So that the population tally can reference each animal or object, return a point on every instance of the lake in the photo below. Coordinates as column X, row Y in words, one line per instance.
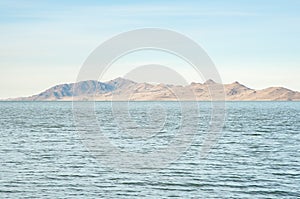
column 257, row 154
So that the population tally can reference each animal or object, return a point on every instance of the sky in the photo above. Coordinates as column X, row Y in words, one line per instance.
column 44, row 43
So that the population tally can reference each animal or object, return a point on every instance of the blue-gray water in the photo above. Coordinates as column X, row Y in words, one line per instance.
column 258, row 155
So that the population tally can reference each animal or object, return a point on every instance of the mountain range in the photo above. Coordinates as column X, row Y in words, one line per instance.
column 125, row 89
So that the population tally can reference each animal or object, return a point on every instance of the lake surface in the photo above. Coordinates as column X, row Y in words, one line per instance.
column 43, row 156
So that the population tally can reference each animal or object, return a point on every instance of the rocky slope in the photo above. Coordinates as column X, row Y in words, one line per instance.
column 124, row 89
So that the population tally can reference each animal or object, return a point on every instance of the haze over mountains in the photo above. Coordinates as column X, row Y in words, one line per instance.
column 124, row 89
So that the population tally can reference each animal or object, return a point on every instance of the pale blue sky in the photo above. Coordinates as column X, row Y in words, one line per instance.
column 44, row 43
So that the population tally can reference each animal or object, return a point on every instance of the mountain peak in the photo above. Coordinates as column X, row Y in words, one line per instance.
column 209, row 81
column 120, row 82
column 238, row 84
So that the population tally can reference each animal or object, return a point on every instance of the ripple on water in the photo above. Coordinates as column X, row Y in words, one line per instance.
column 257, row 156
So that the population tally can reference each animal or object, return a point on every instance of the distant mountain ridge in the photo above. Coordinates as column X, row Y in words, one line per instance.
column 124, row 89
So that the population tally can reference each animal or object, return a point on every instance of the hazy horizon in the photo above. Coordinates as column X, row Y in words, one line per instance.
column 45, row 43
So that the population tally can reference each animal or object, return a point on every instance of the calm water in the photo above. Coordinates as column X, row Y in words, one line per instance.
column 258, row 155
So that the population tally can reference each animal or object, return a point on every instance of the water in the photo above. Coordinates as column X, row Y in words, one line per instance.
column 258, row 155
